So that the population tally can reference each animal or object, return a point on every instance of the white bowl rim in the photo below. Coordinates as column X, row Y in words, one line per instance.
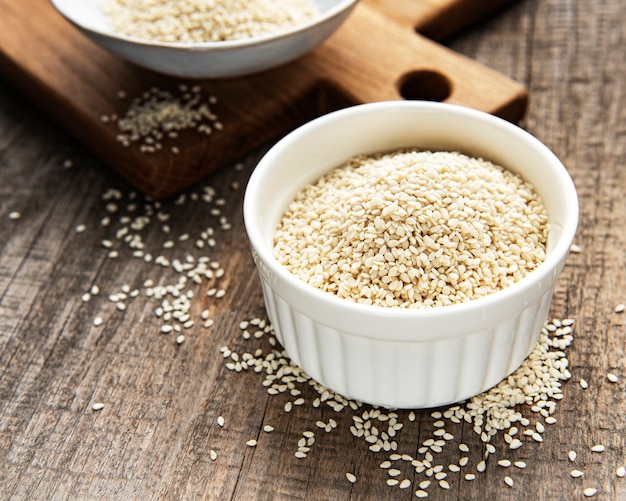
column 532, row 279
column 224, row 45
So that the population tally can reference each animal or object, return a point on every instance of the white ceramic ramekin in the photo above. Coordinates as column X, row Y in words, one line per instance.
column 406, row 358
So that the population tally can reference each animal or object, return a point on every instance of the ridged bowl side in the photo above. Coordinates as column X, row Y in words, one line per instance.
column 409, row 374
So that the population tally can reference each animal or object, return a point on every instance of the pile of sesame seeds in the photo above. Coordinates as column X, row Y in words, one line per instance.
column 521, row 408
column 413, row 229
column 161, row 115
column 191, row 21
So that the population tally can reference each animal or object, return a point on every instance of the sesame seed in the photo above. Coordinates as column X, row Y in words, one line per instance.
column 421, row 494
column 268, row 429
column 220, row 421
column 520, row 464
column 584, row 384
column 470, row 476
column 576, row 473
column 504, row 463
column 97, row 406
column 620, row 471
column 575, row 248
column 180, row 339
column 598, row 448
column 14, row 215
column 612, row 378
column 508, row 481
column 351, row 477
column 97, row 321
column 212, row 455
column 590, row 492
column 251, row 443
column 444, row 484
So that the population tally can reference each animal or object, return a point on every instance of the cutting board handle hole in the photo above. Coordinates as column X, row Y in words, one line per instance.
column 426, row 85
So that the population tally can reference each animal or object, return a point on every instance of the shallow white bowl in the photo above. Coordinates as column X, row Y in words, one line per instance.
column 211, row 59
column 406, row 358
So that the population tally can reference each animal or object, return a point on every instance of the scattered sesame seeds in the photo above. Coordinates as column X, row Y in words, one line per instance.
column 159, row 115
column 590, row 492
column 351, row 477
column 620, row 471
column 598, row 448
column 572, row 456
column 220, row 421
column 584, row 384
column 180, row 339
column 508, row 481
column 612, row 378
column 212, row 455
column 251, row 443
column 505, row 463
column 576, row 473
column 97, row 406
column 420, row 493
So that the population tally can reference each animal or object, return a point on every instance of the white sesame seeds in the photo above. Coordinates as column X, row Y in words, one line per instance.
column 251, row 443
column 197, row 21
column 572, row 456
column 392, row 236
column 98, row 321
column 584, row 384
column 420, row 493
column 97, row 406
column 612, row 378
column 508, row 481
column 598, row 448
column 351, row 477
column 15, row 215
column 620, row 308
column 590, row 492
column 220, row 421
column 576, row 473
column 620, row 471
column 212, row 455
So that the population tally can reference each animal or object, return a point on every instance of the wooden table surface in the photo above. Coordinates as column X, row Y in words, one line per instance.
column 158, row 435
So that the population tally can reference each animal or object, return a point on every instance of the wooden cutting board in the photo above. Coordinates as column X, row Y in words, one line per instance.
column 376, row 55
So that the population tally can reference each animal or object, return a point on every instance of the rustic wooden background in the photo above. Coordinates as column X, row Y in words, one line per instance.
column 153, row 437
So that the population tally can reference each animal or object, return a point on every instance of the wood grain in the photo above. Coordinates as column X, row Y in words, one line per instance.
column 370, row 58
column 153, row 438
